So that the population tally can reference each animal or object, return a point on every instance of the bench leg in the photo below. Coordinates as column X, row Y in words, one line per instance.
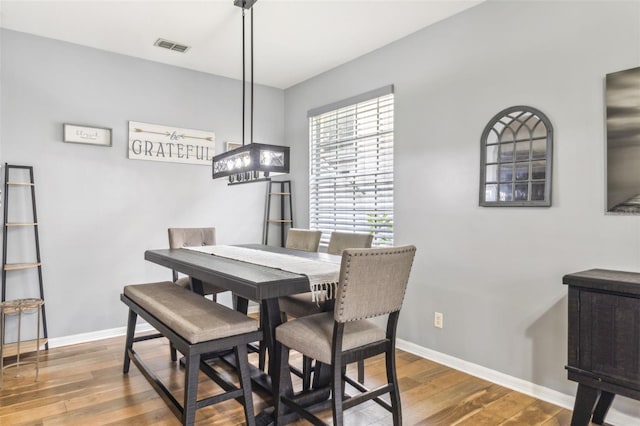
column 191, row 370
column 131, row 329
column 244, row 377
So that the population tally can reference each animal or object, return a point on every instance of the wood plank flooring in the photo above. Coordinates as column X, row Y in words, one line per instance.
column 84, row 385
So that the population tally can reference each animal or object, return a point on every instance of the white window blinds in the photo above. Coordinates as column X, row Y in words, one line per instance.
column 351, row 167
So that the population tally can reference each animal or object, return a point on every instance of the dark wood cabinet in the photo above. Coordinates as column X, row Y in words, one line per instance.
column 604, row 340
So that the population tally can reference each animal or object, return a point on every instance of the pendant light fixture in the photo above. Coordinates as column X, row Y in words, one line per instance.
column 252, row 162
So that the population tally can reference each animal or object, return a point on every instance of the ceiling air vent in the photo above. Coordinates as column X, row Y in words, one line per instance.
column 166, row 44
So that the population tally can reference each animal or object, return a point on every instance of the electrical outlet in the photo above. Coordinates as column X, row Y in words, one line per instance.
column 438, row 320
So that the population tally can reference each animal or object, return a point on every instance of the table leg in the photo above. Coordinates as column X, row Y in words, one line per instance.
column 271, row 319
column 240, row 304
column 196, row 285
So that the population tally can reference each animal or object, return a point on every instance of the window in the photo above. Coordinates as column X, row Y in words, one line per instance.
column 516, row 153
column 351, row 167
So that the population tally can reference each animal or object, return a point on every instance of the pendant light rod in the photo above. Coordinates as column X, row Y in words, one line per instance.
column 251, row 76
column 243, row 77
column 252, row 162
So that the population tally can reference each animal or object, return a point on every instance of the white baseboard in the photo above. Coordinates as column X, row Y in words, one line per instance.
column 75, row 339
column 614, row 417
column 540, row 392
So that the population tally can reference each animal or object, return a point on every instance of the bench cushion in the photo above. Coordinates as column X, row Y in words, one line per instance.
column 191, row 316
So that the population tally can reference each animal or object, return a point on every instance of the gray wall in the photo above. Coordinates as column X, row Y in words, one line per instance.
column 495, row 273
column 99, row 210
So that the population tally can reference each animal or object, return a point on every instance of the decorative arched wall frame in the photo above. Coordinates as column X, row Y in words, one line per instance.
column 516, row 151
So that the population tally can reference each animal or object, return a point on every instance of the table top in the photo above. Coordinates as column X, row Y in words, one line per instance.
column 248, row 280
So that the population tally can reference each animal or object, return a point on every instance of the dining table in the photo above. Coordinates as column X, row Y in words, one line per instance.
column 248, row 282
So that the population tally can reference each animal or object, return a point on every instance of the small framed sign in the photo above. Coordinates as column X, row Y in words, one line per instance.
column 233, row 145
column 89, row 135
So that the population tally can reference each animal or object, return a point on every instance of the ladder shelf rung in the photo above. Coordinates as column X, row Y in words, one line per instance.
column 279, row 220
column 21, row 224
column 11, row 349
column 280, row 193
column 20, row 184
column 19, row 266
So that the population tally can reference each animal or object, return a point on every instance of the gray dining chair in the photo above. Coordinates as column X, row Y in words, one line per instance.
column 372, row 284
column 303, row 239
column 193, row 237
column 300, row 305
column 339, row 241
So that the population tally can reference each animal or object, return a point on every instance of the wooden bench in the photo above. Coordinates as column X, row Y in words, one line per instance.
column 194, row 326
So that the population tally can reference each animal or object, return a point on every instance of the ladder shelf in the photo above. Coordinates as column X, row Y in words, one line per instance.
column 11, row 181
column 282, row 190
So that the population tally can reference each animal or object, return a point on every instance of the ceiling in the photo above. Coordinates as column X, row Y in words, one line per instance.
column 294, row 39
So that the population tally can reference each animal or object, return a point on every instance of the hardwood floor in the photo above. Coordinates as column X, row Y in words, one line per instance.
column 84, row 385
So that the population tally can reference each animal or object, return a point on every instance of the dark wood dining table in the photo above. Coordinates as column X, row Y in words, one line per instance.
column 249, row 281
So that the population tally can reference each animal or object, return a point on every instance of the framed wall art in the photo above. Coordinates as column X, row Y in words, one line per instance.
column 230, row 146
column 155, row 142
column 623, row 141
column 90, row 135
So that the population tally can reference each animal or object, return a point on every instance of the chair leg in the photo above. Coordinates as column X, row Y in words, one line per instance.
column 262, row 348
column 283, row 385
column 244, row 377
column 337, row 388
column 306, row 372
column 361, row 371
column 392, row 378
column 191, row 370
column 174, row 354
column 131, row 329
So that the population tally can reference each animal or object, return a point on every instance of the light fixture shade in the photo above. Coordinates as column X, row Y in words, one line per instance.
column 252, row 162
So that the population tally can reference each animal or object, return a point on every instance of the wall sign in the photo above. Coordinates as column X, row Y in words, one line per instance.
column 623, row 141
column 173, row 144
column 233, row 145
column 84, row 134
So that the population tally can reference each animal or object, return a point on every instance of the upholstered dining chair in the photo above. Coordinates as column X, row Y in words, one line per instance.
column 193, row 237
column 372, row 284
column 344, row 240
column 300, row 305
column 303, row 239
